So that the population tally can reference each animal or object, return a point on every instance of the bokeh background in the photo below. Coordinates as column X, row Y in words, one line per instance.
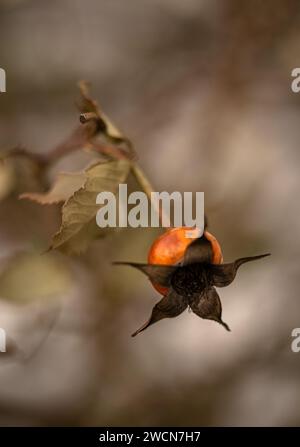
column 203, row 89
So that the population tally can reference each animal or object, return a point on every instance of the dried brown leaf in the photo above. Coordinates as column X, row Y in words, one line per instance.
column 65, row 185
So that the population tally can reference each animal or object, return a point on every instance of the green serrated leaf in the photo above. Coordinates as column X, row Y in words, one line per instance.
column 79, row 226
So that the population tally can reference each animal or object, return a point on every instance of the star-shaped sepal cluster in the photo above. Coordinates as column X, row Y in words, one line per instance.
column 191, row 283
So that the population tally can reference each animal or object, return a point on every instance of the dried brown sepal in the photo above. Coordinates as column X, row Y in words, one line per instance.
column 223, row 274
column 159, row 274
column 169, row 306
column 208, row 306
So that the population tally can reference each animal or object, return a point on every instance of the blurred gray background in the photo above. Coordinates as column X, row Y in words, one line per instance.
column 202, row 87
